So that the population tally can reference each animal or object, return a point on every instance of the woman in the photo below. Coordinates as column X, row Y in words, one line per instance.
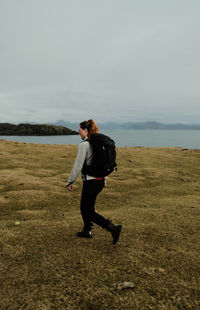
column 92, row 186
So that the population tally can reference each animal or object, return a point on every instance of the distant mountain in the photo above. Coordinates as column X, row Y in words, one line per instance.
column 135, row 125
column 71, row 125
column 74, row 126
column 160, row 126
column 7, row 129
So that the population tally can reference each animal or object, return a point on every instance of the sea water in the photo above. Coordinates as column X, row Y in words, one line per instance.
column 126, row 138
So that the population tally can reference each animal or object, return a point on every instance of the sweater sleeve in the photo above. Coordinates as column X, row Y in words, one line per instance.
column 79, row 162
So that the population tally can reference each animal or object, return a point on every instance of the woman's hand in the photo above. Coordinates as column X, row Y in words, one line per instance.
column 69, row 188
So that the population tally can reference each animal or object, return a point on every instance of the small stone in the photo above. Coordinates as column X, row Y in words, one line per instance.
column 162, row 270
column 124, row 285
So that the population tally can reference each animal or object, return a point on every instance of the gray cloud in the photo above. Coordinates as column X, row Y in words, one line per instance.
column 111, row 60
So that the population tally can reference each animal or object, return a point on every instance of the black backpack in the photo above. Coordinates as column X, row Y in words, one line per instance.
column 104, row 156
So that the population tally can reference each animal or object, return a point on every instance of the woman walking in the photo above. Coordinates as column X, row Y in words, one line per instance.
column 92, row 185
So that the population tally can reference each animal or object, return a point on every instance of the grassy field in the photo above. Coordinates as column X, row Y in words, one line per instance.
column 43, row 265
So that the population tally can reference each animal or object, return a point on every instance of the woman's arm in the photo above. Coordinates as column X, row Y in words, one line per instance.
column 79, row 162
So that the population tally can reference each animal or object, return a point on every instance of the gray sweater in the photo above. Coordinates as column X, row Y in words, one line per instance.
column 84, row 154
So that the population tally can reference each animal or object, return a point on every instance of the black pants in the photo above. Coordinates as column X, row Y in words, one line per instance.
column 90, row 191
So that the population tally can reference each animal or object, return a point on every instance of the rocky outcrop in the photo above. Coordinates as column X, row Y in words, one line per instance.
column 7, row 129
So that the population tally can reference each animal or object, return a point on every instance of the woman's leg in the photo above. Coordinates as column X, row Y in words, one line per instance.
column 89, row 194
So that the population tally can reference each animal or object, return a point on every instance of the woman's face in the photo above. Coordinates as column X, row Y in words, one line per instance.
column 83, row 133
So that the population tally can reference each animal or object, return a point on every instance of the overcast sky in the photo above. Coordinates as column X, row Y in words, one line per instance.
column 111, row 60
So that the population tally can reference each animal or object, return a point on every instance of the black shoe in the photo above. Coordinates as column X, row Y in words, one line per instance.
column 116, row 233
column 84, row 234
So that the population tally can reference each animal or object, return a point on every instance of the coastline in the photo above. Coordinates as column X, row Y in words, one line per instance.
column 130, row 138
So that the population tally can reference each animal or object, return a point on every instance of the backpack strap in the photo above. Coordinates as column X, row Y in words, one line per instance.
column 84, row 165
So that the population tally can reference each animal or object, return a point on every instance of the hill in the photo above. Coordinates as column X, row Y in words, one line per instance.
column 137, row 125
column 34, row 130
column 159, row 126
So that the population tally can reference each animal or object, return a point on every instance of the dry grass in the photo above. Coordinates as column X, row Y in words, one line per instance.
column 155, row 195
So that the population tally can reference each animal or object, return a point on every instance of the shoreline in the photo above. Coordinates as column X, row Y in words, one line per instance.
column 117, row 147
column 152, row 138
